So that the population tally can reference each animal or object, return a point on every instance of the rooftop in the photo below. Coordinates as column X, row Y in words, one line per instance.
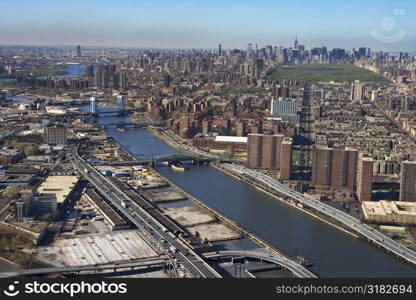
column 61, row 186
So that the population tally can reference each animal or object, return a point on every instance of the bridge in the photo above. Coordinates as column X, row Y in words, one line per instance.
column 263, row 255
column 258, row 254
column 132, row 124
column 150, row 228
column 131, row 266
column 347, row 220
column 174, row 157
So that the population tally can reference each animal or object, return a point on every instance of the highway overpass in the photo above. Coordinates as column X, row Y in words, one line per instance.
column 349, row 221
column 182, row 257
column 261, row 254
column 79, row 269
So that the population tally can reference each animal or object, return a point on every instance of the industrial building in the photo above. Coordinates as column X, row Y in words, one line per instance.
column 56, row 135
column 109, row 214
column 61, row 186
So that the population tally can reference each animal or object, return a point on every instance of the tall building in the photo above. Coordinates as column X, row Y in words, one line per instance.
column 271, row 152
column 255, row 148
column 55, row 134
column 286, row 159
column 334, row 168
column 357, row 91
column 89, row 70
column 408, row 181
column 219, row 50
column 240, row 128
column 284, row 108
column 364, row 177
column 78, row 51
column 321, row 167
column 102, row 76
column 123, row 80
column 206, row 127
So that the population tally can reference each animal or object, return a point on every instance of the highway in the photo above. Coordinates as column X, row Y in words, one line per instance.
column 60, row 270
column 184, row 259
column 344, row 218
column 297, row 269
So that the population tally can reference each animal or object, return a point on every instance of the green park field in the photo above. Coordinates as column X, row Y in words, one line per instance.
column 325, row 72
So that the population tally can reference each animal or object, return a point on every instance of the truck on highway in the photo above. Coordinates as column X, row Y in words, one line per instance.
column 86, row 170
column 173, row 249
column 124, row 204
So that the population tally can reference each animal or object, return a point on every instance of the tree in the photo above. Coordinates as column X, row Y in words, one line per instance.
column 12, row 192
column 229, row 151
column 31, row 150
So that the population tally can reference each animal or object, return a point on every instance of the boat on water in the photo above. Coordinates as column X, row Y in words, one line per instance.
column 178, row 166
column 121, row 128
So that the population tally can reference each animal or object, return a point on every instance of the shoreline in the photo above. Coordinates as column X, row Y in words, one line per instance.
column 328, row 222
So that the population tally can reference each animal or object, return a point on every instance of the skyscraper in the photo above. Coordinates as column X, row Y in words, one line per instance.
column 254, row 150
column 286, row 158
column 219, row 50
column 78, row 51
column 321, row 167
column 408, row 181
column 334, row 168
column 364, row 177
column 271, row 152
column 357, row 91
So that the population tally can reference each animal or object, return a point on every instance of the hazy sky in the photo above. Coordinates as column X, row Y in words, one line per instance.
column 204, row 24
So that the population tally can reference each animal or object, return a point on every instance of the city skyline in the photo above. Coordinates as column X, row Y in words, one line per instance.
column 186, row 24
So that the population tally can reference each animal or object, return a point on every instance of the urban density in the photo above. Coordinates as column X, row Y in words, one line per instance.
column 262, row 161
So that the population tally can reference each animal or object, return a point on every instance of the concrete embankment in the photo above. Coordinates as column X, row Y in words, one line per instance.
column 226, row 171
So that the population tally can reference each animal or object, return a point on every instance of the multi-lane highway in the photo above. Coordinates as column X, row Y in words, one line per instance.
column 79, row 269
column 346, row 219
column 183, row 258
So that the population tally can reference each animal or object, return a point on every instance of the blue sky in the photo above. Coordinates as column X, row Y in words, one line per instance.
column 204, row 24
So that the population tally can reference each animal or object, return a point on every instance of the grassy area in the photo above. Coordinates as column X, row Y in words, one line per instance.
column 245, row 91
column 12, row 242
column 35, row 72
column 325, row 72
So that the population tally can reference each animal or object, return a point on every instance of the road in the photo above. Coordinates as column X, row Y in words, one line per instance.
column 60, row 270
column 297, row 269
column 351, row 222
column 344, row 218
column 184, row 259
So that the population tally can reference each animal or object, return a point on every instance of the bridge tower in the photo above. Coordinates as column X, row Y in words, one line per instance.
column 94, row 105
column 121, row 102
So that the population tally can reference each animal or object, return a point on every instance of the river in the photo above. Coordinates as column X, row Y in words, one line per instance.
column 334, row 253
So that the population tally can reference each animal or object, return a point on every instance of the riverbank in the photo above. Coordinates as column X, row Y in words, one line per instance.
column 321, row 218
column 333, row 253
column 228, row 172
